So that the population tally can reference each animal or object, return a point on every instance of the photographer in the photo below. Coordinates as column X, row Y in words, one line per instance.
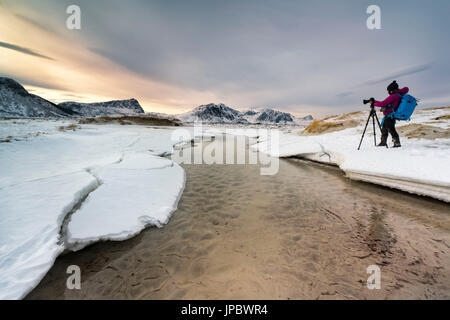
column 388, row 106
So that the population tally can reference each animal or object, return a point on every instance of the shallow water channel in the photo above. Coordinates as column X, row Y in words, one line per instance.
column 307, row 232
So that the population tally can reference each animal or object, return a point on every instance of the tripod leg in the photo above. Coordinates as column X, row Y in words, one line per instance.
column 374, row 132
column 378, row 121
column 362, row 137
column 379, row 126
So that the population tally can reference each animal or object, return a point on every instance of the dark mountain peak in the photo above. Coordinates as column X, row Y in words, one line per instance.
column 275, row 116
column 16, row 102
column 220, row 113
column 12, row 85
column 114, row 107
column 250, row 113
column 220, row 107
column 214, row 112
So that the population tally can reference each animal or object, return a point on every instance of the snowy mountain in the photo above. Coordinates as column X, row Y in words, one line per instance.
column 268, row 116
column 116, row 107
column 220, row 113
column 15, row 101
column 212, row 113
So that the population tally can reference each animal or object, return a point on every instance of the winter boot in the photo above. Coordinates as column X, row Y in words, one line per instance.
column 383, row 142
column 397, row 143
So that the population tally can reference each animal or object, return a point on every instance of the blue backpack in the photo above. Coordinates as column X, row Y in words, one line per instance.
column 406, row 107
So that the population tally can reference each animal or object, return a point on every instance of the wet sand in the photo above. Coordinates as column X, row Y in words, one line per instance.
column 306, row 233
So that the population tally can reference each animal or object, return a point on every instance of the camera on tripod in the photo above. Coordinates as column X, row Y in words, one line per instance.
column 374, row 117
column 371, row 100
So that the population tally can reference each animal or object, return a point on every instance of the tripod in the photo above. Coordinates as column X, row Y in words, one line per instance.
column 373, row 115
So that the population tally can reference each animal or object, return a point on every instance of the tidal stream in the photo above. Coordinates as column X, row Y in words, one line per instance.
column 307, row 232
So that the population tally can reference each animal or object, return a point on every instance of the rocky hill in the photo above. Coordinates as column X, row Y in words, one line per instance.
column 16, row 102
column 220, row 113
column 108, row 108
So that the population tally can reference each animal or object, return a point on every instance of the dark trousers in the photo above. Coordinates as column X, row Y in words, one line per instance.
column 389, row 127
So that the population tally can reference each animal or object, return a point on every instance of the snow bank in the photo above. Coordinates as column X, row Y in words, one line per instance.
column 419, row 167
column 139, row 191
column 112, row 173
column 31, row 219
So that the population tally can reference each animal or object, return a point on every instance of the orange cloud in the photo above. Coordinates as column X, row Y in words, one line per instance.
column 83, row 75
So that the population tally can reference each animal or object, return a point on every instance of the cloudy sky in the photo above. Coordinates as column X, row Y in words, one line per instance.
column 305, row 57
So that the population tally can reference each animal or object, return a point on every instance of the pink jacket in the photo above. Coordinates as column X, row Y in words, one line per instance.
column 393, row 99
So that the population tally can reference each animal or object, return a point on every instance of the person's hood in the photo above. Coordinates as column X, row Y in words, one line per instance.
column 402, row 91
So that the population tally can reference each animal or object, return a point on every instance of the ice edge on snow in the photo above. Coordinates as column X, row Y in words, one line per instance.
column 78, row 196
column 440, row 192
column 76, row 204
column 421, row 187
column 433, row 189
column 79, row 244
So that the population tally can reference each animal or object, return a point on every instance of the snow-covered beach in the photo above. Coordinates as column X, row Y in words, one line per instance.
column 112, row 177
column 307, row 232
column 420, row 167
column 224, row 150
column 66, row 184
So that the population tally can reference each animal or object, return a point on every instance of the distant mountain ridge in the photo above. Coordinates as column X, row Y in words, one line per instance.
column 220, row 113
column 212, row 113
column 17, row 102
column 268, row 115
column 108, row 108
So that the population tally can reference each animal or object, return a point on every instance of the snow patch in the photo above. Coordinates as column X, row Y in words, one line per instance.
column 31, row 216
column 419, row 167
column 142, row 190
column 110, row 175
